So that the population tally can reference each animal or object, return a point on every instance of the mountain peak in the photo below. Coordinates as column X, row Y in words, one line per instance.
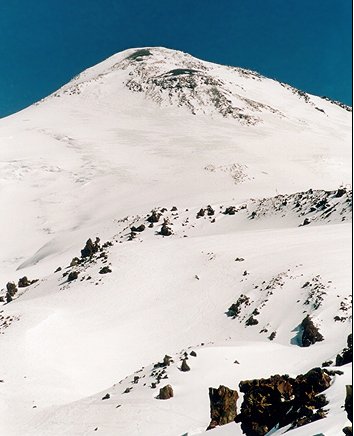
column 172, row 78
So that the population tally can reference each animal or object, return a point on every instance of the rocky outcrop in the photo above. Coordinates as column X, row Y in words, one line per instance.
column 11, row 290
column 231, row 210
column 73, row 275
column 310, row 333
column 346, row 356
column 154, row 217
column 235, row 308
column 24, row 282
column 223, row 407
column 138, row 229
column 185, row 367
column 166, row 393
column 166, row 229
column 90, row 248
column 105, row 270
column 348, row 404
column 282, row 400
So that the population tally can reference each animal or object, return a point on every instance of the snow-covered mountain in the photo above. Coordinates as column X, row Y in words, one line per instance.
column 222, row 203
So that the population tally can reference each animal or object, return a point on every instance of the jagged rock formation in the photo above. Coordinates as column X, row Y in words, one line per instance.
column 223, row 408
column 90, row 248
column 310, row 333
column 282, row 400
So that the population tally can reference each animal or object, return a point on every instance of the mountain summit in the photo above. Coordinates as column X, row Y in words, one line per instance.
column 174, row 78
column 175, row 254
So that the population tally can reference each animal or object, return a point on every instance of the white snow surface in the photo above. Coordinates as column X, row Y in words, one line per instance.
column 156, row 130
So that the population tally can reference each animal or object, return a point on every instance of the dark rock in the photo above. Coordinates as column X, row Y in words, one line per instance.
column 282, row 400
column 201, row 213
column 210, row 210
column 193, row 353
column 165, row 230
column 167, row 360
column 154, row 217
column 90, row 248
column 235, row 309
column 348, row 431
column 239, row 259
column 348, row 404
column 75, row 261
column 58, row 269
column 310, row 334
column 131, row 236
column 223, row 406
column 73, row 275
column 166, row 393
column 173, row 209
column 105, row 270
column 11, row 290
column 272, row 336
column 24, row 282
column 231, row 210
column 138, row 229
column 251, row 321
column 106, row 397
column 306, row 222
column 340, row 192
column 327, row 363
column 184, row 366
column 127, row 390
column 347, row 354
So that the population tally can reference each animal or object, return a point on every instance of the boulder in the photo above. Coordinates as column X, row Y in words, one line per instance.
column 184, row 366
column 11, row 290
column 166, row 393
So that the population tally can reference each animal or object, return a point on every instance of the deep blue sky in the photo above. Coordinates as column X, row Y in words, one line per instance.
column 44, row 43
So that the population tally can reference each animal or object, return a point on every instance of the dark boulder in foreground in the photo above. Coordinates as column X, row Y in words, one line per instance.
column 282, row 400
column 223, row 408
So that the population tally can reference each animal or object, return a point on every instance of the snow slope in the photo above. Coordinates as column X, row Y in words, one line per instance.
column 155, row 128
